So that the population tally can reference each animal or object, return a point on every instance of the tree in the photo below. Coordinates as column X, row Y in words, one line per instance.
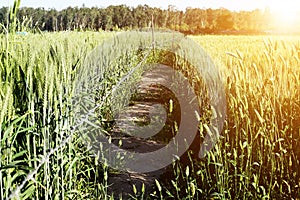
column 224, row 21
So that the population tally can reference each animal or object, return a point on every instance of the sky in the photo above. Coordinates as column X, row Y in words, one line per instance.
column 179, row 4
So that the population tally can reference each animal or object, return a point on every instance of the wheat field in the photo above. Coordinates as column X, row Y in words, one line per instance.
column 257, row 156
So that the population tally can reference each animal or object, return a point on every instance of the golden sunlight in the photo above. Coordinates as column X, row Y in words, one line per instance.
column 286, row 15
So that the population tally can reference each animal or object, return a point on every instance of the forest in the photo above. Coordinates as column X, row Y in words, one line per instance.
column 122, row 17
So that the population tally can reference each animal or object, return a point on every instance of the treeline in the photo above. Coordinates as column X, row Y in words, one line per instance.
column 190, row 21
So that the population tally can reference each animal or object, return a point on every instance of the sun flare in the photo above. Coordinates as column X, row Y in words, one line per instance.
column 286, row 15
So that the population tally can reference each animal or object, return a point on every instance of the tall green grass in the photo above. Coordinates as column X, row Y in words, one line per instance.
column 258, row 156
column 37, row 75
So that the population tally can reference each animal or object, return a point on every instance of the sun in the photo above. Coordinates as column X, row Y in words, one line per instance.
column 287, row 17
column 285, row 14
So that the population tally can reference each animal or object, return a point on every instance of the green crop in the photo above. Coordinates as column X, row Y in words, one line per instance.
column 257, row 156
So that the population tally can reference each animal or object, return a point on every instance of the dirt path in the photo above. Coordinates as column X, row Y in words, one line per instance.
column 148, row 94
